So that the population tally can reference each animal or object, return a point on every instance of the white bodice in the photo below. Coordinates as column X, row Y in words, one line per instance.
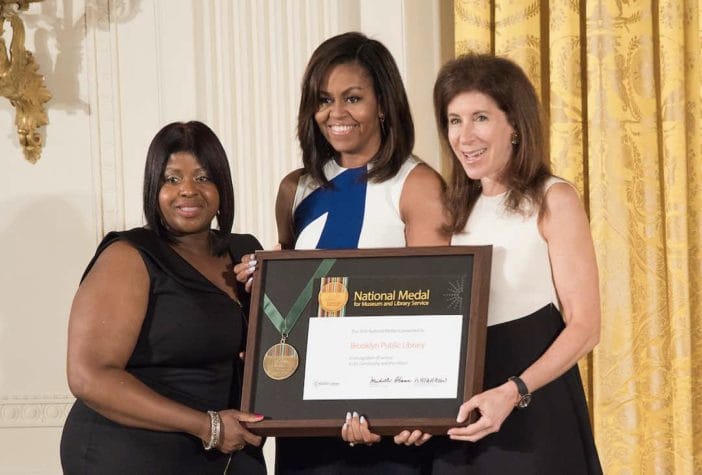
column 375, row 212
column 521, row 281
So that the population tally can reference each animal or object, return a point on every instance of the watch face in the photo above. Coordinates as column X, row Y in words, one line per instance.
column 524, row 401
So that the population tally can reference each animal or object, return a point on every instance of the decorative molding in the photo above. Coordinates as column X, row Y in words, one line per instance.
column 105, row 116
column 34, row 410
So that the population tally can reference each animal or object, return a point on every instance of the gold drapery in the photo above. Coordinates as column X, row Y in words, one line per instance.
column 621, row 85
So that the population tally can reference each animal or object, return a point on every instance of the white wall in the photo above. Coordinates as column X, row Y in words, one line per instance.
column 118, row 71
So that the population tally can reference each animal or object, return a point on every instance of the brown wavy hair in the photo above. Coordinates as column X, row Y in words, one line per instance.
column 507, row 84
column 397, row 132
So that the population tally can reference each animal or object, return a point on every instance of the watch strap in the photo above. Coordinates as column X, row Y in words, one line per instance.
column 524, row 394
column 521, row 386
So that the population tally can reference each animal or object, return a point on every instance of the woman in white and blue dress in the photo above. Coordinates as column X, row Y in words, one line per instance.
column 360, row 187
column 544, row 306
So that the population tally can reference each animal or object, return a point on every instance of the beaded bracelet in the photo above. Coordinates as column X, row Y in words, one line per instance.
column 215, row 427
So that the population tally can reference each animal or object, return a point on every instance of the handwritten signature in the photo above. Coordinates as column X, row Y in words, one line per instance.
column 417, row 381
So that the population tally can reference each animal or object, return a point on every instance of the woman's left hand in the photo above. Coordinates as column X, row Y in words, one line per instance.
column 356, row 431
column 234, row 435
column 415, row 437
column 493, row 405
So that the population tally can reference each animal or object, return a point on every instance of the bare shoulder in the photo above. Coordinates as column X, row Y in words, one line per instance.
column 562, row 197
column 424, row 175
column 287, row 189
column 113, row 296
column 423, row 182
column 422, row 208
column 288, row 184
column 119, row 259
column 283, row 208
column 564, row 212
column 121, row 251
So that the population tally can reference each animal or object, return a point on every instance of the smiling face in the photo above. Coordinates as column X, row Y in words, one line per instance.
column 188, row 200
column 348, row 114
column 480, row 136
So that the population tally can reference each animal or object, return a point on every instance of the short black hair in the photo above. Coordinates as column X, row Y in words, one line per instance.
column 198, row 139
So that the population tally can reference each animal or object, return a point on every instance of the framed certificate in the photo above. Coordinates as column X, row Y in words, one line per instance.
column 397, row 335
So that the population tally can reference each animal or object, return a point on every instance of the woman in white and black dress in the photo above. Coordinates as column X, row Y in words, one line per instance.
column 544, row 307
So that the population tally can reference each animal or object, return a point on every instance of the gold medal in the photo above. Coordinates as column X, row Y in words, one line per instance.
column 280, row 361
column 333, row 296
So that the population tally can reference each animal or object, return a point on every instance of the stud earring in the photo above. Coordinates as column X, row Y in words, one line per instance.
column 515, row 138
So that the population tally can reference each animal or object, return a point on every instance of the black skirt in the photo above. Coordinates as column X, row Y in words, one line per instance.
column 552, row 436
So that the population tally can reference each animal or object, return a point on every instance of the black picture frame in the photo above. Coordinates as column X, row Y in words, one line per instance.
column 459, row 278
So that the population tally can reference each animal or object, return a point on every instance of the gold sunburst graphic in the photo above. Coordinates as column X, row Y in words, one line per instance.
column 454, row 296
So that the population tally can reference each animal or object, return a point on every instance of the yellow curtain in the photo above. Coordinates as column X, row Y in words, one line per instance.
column 621, row 86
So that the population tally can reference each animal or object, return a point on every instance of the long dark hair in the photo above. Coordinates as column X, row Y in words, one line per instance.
column 507, row 84
column 397, row 131
column 196, row 138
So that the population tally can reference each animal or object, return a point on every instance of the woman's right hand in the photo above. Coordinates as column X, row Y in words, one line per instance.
column 493, row 406
column 234, row 436
column 414, row 437
column 356, row 430
column 244, row 270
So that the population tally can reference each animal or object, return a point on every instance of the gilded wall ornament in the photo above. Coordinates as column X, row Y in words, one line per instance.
column 20, row 81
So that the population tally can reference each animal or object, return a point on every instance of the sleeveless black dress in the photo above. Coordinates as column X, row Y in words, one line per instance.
column 187, row 351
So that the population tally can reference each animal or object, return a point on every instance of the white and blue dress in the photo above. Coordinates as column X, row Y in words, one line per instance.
column 352, row 213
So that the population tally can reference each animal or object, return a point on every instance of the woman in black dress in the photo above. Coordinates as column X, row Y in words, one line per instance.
column 157, row 325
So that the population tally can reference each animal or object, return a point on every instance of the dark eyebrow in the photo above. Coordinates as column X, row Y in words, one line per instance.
column 176, row 169
column 345, row 91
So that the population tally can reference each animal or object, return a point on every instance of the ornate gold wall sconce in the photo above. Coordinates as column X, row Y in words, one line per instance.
column 20, row 82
